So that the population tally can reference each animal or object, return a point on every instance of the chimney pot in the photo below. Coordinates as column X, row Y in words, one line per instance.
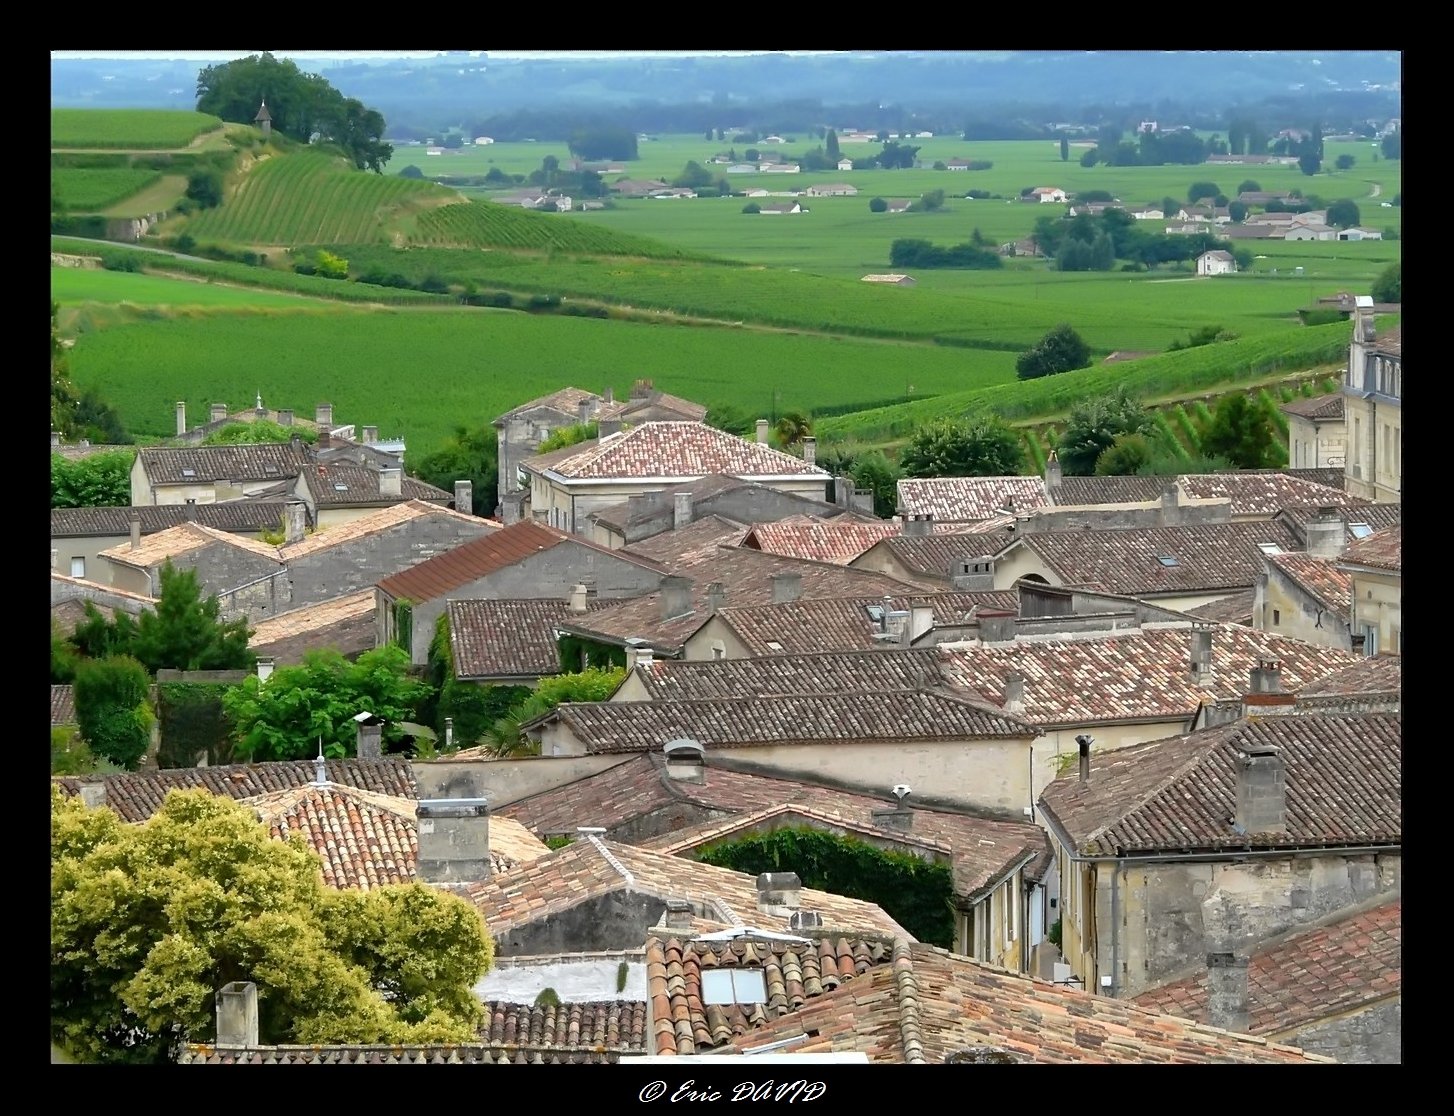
column 578, row 596
column 464, row 497
column 237, row 1014
column 1201, row 654
column 1326, row 534
column 181, row 418
column 679, row 914
column 1014, row 692
column 786, row 587
column 370, row 741
column 1084, row 742
column 762, row 431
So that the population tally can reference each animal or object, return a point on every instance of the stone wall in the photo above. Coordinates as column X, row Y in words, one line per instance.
column 1370, row 1037
column 618, row 921
column 336, row 571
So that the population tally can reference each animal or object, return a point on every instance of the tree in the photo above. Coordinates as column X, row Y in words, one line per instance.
column 603, row 142
column 284, row 717
column 1237, row 211
column 63, row 657
column 1060, row 350
column 1388, row 287
column 1249, row 186
column 875, row 472
column 1064, row 149
column 471, row 455
column 693, row 176
column 877, row 205
column 184, row 632
column 929, row 202
column 983, row 446
column 205, row 188
column 1243, row 432
column 1392, row 144
column 102, row 480
column 1125, row 456
column 1344, row 162
column 113, row 709
column 411, row 171
column 1343, row 214
column 791, row 428
column 752, row 207
column 257, row 432
column 831, row 148
column 149, row 921
column 1093, row 426
column 1200, row 190
column 595, row 684
column 1090, row 157
column 1309, row 163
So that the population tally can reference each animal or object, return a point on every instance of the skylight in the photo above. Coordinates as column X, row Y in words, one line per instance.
column 775, row 645
column 340, row 488
column 875, row 613
column 1167, row 559
column 189, row 472
column 1360, row 530
column 734, row 986
column 1269, row 548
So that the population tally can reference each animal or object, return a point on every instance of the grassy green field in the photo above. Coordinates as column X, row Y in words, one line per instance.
column 89, row 191
column 73, row 286
column 155, row 129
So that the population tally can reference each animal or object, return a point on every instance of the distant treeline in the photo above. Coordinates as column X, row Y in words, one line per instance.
column 924, row 256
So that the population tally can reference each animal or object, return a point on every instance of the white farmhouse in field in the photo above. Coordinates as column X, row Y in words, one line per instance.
column 1217, row 262
column 480, row 141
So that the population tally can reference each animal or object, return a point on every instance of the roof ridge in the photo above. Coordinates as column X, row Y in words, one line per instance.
column 611, row 859
column 906, row 992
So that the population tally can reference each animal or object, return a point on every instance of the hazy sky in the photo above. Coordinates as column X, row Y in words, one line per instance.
column 228, row 55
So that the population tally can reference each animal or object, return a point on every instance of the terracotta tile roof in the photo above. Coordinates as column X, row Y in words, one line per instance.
column 1307, row 976
column 1318, row 407
column 620, row 516
column 1375, row 516
column 825, row 673
column 793, row 974
column 1128, row 562
column 618, row 1026
column 591, row 868
column 678, row 450
column 1083, row 491
column 746, row 575
column 1142, row 674
column 1390, row 341
column 1236, row 609
column 1320, row 578
column 1326, row 476
column 474, row 1054
column 1379, row 551
column 507, row 639
column 653, row 405
column 1343, row 776
column 87, row 587
column 156, row 549
column 928, row 1004
column 635, row 726
column 344, row 623
column 844, row 623
column 205, row 464
column 1366, row 675
column 691, row 545
column 364, row 841
column 135, row 796
column 962, row 499
column 432, row 579
column 1259, row 493
column 376, row 522
column 62, row 705
column 838, row 540
column 361, row 486
column 932, row 556
column 231, row 515
column 567, row 401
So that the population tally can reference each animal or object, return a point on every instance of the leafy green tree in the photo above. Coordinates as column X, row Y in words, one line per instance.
column 102, row 480
column 259, row 432
column 1392, row 144
column 113, row 709
column 831, row 148
column 603, row 142
column 1064, row 149
column 284, row 717
column 63, row 656
column 1164, row 463
column 149, row 921
column 595, row 684
column 470, row 454
column 1090, row 157
column 1343, row 214
column 1388, row 287
column 1199, row 190
column 411, row 171
column 929, row 202
column 880, row 476
column 205, row 188
column 1060, row 350
column 752, row 207
column 982, row 446
column 1093, row 426
column 1249, row 186
column 1309, row 162
column 569, row 436
column 791, row 428
column 1244, row 433
column 184, row 632
column 1344, row 162
column 1237, row 211
column 96, row 637
column 1125, row 456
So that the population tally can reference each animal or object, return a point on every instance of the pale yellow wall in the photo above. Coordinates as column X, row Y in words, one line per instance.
column 1315, row 445
column 1057, row 749
column 1375, row 433
column 631, row 690
column 1189, row 600
column 203, row 493
column 128, row 578
column 699, row 648
column 1018, row 563
column 334, row 517
column 1281, row 608
column 1377, row 601
column 880, row 559
column 1004, row 911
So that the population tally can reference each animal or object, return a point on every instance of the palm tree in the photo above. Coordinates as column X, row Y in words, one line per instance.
column 792, row 428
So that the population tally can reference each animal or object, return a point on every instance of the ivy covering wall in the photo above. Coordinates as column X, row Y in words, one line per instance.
column 917, row 894
column 578, row 653
column 475, row 706
column 191, row 722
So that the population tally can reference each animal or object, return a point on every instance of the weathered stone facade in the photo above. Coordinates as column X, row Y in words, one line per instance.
column 1373, row 1036
column 323, row 574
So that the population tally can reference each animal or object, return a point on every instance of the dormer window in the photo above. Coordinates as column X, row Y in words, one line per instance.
column 734, row 986
column 1167, row 559
column 1360, row 530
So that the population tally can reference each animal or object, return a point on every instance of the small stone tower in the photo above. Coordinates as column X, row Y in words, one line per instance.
column 264, row 120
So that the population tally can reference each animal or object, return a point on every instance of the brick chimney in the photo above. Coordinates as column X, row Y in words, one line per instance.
column 391, row 483
column 217, row 412
column 370, row 737
column 464, row 497
column 1052, row 472
column 681, row 510
column 685, row 761
column 997, row 625
column 1261, row 789
column 181, row 417
column 295, row 523
column 676, row 596
column 237, row 1015
column 1014, row 699
column 1201, row 654
column 1326, row 534
column 578, row 595
column 323, row 415
column 370, row 435
column 454, row 840
column 779, row 893
column 786, row 587
column 716, row 596
column 810, row 450
column 285, row 418
column 762, row 425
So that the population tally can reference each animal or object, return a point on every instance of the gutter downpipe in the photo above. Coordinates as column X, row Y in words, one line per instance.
column 1115, row 927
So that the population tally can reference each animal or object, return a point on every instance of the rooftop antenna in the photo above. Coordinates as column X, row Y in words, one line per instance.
column 320, row 767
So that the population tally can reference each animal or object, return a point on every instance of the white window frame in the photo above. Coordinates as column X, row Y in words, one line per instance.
column 78, row 562
column 734, row 986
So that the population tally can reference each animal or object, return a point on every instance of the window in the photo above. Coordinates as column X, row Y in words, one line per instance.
column 1012, row 912
column 733, row 986
column 1360, row 530
column 1167, row 560
column 1276, row 616
column 189, row 472
column 340, row 488
column 774, row 645
column 1370, row 640
column 78, row 567
column 1269, row 548
column 875, row 613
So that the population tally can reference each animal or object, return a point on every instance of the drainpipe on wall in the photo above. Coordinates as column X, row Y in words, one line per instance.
column 1115, row 927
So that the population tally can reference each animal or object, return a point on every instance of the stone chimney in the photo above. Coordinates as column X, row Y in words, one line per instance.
column 716, row 596
column 323, row 416
column 762, row 425
column 786, row 587
column 295, row 523
column 810, row 450
column 681, row 510
column 1201, row 654
column 1228, row 996
column 370, row 737
column 606, row 427
column 265, row 668
column 685, row 761
column 181, row 417
column 678, row 915
column 189, row 509
column 578, row 595
column 285, row 418
column 583, row 412
column 1326, row 534
column 391, row 483
column 1014, row 700
column 217, row 412
column 843, row 492
column 1171, row 503
column 237, row 1014
column 921, row 621
column 464, row 497
column 638, row 653
column 93, row 794
column 899, row 816
column 325, row 438
column 972, row 575
column 512, row 507
column 1261, row 790
column 917, row 525
column 609, row 395
column 370, row 435
column 1084, row 742
column 1052, row 472
column 676, row 596
column 454, row 840
column 135, row 531
column 779, row 893
column 997, row 625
